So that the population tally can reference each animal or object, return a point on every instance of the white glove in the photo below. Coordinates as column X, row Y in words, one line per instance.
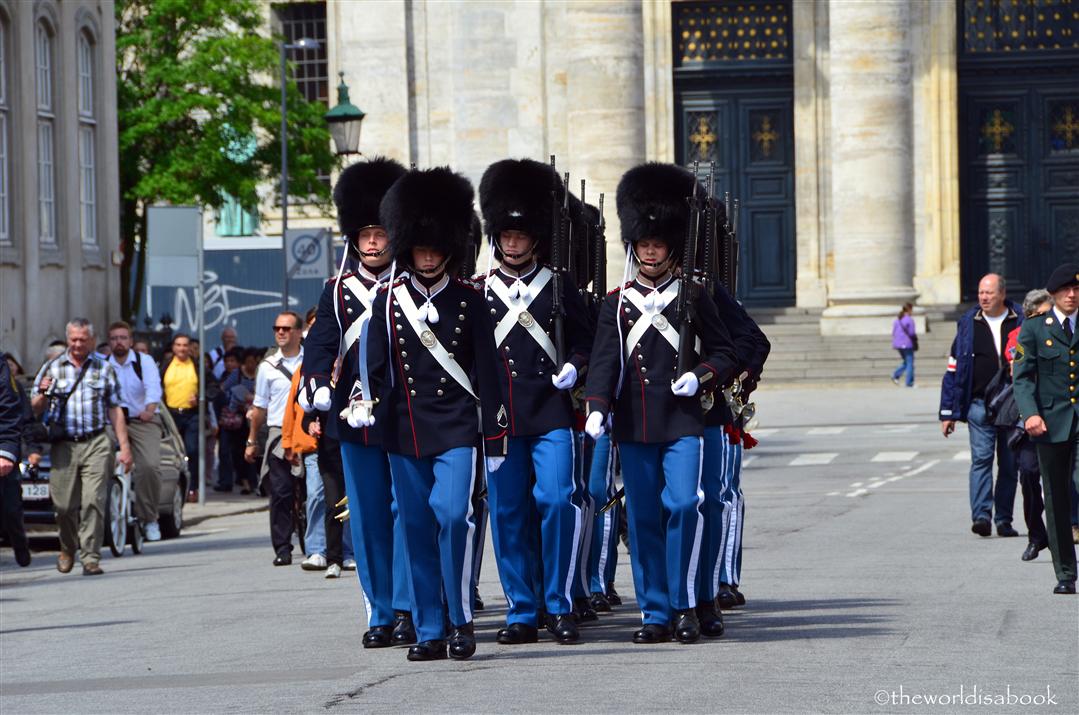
column 594, row 425
column 686, row 386
column 493, row 463
column 356, row 419
column 323, row 399
column 566, row 377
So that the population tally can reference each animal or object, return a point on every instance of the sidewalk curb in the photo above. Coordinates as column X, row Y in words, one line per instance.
column 195, row 521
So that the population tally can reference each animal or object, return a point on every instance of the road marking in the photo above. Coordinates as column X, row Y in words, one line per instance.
column 803, row 460
column 768, row 432
column 896, row 429
column 833, row 494
column 827, row 430
column 746, row 461
column 894, row 456
column 881, row 481
column 963, row 456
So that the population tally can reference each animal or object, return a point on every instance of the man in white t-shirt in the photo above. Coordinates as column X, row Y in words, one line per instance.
column 272, row 385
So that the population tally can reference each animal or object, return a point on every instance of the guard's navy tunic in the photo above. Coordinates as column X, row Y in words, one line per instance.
column 541, row 443
column 659, row 433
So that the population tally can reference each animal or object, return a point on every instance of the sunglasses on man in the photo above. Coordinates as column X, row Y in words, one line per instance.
column 283, row 328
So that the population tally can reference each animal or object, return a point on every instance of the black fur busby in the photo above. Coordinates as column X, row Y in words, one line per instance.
column 515, row 195
column 359, row 191
column 652, row 203
column 430, row 208
column 472, row 254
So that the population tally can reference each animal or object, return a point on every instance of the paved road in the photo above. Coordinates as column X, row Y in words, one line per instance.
column 866, row 592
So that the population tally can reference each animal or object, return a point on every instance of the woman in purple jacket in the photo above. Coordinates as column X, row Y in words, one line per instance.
column 905, row 341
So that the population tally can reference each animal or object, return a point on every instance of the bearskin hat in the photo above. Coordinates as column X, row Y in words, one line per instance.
column 359, row 191
column 515, row 195
column 652, row 203
column 475, row 241
column 430, row 208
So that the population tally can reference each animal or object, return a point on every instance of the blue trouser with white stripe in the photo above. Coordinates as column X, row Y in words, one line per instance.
column 583, row 499
column 604, row 557
column 514, row 505
column 435, row 507
column 715, row 478
column 377, row 534
column 734, row 511
column 663, row 499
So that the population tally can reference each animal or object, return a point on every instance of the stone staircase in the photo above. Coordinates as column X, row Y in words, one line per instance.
column 800, row 354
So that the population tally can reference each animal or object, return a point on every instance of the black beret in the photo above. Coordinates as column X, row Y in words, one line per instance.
column 1065, row 275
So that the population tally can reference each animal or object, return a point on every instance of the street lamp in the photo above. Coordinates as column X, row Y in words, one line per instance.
column 301, row 44
column 345, row 120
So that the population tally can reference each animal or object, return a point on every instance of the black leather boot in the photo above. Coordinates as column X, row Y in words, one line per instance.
column 652, row 633
column 686, row 627
column 563, row 628
column 378, row 637
column 428, row 650
column 404, row 632
column 518, row 633
column 599, row 603
column 711, row 620
column 462, row 641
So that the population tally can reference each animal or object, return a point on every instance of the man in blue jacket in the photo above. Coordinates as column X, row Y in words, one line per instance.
column 975, row 358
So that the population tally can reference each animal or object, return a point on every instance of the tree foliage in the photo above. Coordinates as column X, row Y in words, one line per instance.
column 199, row 115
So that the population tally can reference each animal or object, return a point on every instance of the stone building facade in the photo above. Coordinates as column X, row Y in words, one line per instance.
column 883, row 151
column 59, row 179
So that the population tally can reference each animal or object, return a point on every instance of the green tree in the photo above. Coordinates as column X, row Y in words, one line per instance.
column 199, row 116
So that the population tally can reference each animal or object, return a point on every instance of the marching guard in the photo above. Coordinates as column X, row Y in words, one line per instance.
column 517, row 203
column 724, row 508
column 339, row 332
column 434, row 378
column 655, row 409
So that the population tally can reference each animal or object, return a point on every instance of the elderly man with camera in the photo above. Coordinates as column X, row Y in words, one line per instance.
column 79, row 393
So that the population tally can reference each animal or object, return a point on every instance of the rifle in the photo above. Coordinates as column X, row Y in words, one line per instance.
column 599, row 278
column 729, row 263
column 687, row 293
column 560, row 226
column 708, row 259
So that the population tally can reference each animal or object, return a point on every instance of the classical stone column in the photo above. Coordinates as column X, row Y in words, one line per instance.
column 871, row 146
column 605, row 112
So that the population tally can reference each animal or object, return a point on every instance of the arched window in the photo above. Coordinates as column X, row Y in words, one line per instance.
column 5, row 133
column 44, row 55
column 87, row 141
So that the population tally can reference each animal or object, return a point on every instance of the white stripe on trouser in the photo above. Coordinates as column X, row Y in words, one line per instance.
column 732, row 533
column 726, row 509
column 366, row 602
column 576, row 524
column 466, row 565
column 691, row 577
column 608, row 522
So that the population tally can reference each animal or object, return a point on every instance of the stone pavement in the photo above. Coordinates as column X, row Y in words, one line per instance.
column 867, row 593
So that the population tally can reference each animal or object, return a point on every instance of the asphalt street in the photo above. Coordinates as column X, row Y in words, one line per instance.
column 866, row 593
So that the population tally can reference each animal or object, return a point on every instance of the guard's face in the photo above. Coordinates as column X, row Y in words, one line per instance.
column 516, row 247
column 428, row 261
column 1067, row 299
column 371, row 243
column 653, row 253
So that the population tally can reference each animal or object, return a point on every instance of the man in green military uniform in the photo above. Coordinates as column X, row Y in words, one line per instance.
column 1046, row 375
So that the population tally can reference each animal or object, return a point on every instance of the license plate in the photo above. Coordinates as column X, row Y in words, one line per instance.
column 35, row 491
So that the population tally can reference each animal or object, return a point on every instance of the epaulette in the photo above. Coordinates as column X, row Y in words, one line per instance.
column 621, row 287
column 469, row 283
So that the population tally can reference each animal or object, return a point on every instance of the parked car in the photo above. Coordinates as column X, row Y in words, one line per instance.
column 174, row 473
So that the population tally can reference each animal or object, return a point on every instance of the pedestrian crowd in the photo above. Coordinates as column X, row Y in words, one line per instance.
column 1011, row 377
column 92, row 405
